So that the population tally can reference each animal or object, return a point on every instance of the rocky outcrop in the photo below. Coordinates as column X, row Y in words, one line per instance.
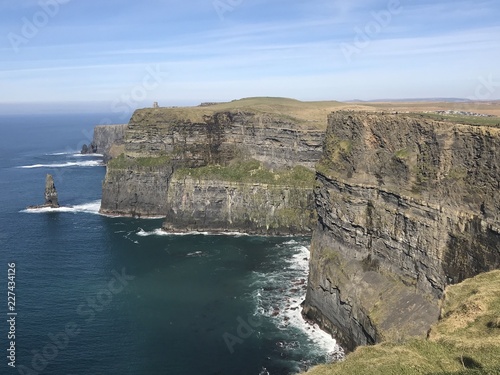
column 107, row 138
column 405, row 207
column 160, row 141
column 51, row 199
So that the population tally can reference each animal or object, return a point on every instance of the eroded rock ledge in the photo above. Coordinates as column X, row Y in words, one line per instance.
column 406, row 206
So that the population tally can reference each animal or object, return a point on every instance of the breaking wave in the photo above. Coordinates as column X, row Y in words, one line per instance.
column 161, row 232
column 92, row 208
column 87, row 155
column 278, row 295
column 88, row 163
column 61, row 153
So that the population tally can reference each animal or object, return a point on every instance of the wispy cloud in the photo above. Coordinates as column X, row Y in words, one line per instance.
column 291, row 48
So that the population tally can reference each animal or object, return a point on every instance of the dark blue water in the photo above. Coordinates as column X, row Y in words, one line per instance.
column 100, row 295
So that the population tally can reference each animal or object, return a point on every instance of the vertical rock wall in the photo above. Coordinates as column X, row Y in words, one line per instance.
column 133, row 187
column 405, row 206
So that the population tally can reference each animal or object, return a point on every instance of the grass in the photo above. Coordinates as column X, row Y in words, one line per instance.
column 251, row 171
column 402, row 154
column 486, row 107
column 459, row 119
column 313, row 114
column 307, row 115
column 465, row 341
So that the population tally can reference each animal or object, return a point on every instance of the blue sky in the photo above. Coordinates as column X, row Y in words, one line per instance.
column 118, row 54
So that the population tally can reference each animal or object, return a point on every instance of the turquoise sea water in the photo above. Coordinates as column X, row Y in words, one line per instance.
column 101, row 295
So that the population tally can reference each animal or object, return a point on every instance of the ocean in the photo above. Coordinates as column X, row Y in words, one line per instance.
column 110, row 295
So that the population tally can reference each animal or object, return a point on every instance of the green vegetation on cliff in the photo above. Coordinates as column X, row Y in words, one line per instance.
column 251, row 171
column 459, row 119
column 465, row 341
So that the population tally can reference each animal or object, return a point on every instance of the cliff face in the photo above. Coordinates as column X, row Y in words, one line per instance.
column 406, row 206
column 107, row 140
column 235, row 206
column 220, row 136
column 135, row 191
column 238, row 170
column 105, row 136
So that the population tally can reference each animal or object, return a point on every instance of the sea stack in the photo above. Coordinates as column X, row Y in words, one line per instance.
column 50, row 192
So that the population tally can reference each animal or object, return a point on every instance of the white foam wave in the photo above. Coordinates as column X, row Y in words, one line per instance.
column 195, row 254
column 92, row 208
column 161, row 232
column 61, row 153
column 323, row 340
column 278, row 296
column 87, row 155
column 88, row 163
column 156, row 232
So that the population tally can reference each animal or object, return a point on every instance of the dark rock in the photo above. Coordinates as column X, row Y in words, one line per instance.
column 51, row 199
column 50, row 192
column 405, row 207
column 91, row 148
column 107, row 140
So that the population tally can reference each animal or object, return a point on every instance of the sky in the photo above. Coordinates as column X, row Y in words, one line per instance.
column 118, row 55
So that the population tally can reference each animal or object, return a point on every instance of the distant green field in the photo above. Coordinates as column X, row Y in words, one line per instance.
column 468, row 120
column 311, row 115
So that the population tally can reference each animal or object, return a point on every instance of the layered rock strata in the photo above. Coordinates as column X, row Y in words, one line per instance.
column 107, row 140
column 405, row 206
column 160, row 141
column 221, row 206
column 220, row 136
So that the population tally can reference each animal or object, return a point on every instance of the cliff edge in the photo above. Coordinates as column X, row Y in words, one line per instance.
column 107, row 140
column 247, row 166
column 465, row 341
column 406, row 206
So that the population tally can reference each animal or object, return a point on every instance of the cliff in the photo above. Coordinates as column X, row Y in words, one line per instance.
column 212, row 137
column 240, row 166
column 107, row 140
column 406, row 206
column 261, row 204
column 465, row 341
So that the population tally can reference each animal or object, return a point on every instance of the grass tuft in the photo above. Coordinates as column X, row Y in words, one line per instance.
column 466, row 341
column 251, row 171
